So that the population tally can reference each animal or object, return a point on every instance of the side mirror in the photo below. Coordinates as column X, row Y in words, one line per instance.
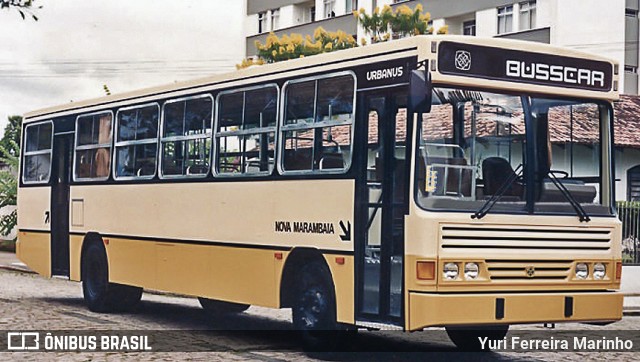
column 420, row 91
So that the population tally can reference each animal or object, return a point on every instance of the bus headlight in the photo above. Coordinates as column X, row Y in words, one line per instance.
column 599, row 271
column 582, row 271
column 471, row 271
column 450, row 271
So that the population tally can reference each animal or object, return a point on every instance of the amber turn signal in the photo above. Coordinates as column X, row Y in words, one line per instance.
column 426, row 270
column 618, row 271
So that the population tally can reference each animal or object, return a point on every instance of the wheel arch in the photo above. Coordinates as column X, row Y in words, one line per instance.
column 293, row 263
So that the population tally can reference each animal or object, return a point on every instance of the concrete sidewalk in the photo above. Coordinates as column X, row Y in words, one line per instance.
column 630, row 285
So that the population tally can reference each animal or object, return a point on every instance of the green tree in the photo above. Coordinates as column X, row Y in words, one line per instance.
column 9, row 157
column 12, row 132
column 24, row 7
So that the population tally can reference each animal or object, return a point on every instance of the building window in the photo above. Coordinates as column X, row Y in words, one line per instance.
column 36, row 166
column 633, row 183
column 262, row 19
column 631, row 12
column 186, row 136
column 527, row 15
column 312, row 13
column 505, row 19
column 246, row 131
column 330, row 8
column 137, row 141
column 630, row 69
column 351, row 6
column 469, row 27
column 316, row 133
column 275, row 19
column 93, row 146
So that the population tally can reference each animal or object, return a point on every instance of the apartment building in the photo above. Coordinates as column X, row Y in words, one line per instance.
column 608, row 28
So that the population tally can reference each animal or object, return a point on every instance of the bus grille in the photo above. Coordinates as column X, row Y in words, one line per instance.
column 561, row 240
column 503, row 270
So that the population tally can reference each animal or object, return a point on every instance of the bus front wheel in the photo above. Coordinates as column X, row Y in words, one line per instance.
column 468, row 338
column 314, row 307
column 100, row 295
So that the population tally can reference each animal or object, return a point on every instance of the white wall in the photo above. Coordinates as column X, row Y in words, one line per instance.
column 545, row 13
column 487, row 22
column 591, row 26
column 287, row 17
column 625, row 159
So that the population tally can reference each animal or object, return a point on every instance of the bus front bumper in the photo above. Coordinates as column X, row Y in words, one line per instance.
column 427, row 309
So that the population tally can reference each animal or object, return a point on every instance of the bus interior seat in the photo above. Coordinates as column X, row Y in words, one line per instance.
column 495, row 172
column 147, row 169
column 197, row 169
column 332, row 161
column 297, row 159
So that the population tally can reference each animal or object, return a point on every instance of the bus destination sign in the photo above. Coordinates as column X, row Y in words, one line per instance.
column 523, row 67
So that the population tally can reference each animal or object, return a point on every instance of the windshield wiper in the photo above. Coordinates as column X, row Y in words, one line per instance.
column 582, row 214
column 484, row 210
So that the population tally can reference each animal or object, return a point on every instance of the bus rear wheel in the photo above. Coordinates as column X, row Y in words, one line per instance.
column 468, row 338
column 100, row 295
column 218, row 307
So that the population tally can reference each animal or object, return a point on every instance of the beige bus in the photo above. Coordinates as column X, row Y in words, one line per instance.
column 430, row 181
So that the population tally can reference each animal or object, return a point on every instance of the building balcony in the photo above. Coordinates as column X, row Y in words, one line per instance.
column 447, row 8
column 540, row 35
column 347, row 23
column 260, row 6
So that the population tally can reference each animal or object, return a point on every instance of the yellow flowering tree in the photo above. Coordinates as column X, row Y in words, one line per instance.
column 385, row 24
column 294, row 46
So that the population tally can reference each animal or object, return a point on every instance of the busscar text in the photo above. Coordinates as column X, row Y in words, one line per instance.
column 555, row 73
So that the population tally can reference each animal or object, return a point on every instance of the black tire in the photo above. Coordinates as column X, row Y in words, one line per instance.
column 100, row 295
column 467, row 338
column 127, row 297
column 218, row 308
column 314, row 309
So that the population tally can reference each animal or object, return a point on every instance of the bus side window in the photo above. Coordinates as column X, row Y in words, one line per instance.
column 37, row 154
column 137, row 141
column 245, row 131
column 317, row 128
column 93, row 146
column 186, row 136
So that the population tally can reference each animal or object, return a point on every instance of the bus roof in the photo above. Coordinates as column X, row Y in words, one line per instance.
column 453, row 60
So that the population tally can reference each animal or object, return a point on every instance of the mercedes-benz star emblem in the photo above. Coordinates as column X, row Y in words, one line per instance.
column 531, row 271
column 463, row 60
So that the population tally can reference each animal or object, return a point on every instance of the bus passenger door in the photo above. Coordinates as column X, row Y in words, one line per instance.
column 59, row 216
column 382, row 196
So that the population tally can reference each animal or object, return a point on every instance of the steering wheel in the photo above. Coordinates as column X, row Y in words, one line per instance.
column 564, row 174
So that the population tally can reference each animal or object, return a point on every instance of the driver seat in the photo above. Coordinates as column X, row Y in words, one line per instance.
column 495, row 173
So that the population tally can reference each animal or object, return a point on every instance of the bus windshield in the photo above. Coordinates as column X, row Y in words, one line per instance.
column 473, row 148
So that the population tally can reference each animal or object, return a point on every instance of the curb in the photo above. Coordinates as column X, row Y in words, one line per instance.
column 149, row 291
column 17, row 269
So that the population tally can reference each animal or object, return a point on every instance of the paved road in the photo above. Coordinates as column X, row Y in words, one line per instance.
column 29, row 302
